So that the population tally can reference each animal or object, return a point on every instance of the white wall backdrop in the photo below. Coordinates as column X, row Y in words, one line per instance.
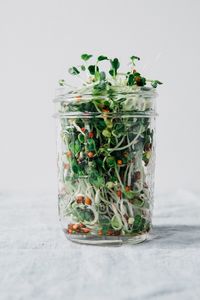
column 40, row 39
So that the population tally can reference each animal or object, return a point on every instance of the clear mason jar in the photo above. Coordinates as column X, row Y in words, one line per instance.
column 106, row 164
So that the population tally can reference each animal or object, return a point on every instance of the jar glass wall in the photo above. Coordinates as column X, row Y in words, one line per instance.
column 106, row 164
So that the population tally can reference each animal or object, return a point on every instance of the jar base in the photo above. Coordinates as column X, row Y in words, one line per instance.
column 107, row 240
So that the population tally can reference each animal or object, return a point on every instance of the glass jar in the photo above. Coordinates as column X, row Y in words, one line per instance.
column 106, row 160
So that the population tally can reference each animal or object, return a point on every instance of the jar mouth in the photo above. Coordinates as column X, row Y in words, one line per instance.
column 62, row 94
column 122, row 114
column 118, row 103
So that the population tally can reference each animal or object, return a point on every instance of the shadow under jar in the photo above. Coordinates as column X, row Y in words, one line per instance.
column 106, row 160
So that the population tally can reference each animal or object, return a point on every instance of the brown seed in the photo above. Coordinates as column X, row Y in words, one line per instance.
column 66, row 166
column 127, row 188
column 78, row 98
column 88, row 201
column 109, row 232
column 119, row 162
column 68, row 153
column 79, row 199
column 75, row 226
column 91, row 135
column 85, row 230
column 90, row 154
column 100, row 232
column 70, row 226
column 119, row 194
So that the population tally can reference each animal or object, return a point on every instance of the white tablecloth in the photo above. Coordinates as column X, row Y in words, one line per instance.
column 37, row 262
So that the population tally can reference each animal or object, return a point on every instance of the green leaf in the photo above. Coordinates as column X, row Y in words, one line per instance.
column 96, row 179
column 134, row 58
column 136, row 74
column 100, row 124
column 119, row 130
column 75, row 167
column 111, row 161
column 86, row 56
column 138, row 224
column 102, row 57
column 92, row 69
column 131, row 194
column 109, row 123
column 73, row 71
column 131, row 80
column 115, row 66
column 106, row 133
column 75, row 147
column 81, row 138
column 61, row 82
column 83, row 68
column 116, row 223
column 112, row 72
column 91, row 146
column 154, row 83
column 100, row 86
column 138, row 202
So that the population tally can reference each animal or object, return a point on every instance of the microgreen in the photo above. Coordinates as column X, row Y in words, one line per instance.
column 102, row 57
column 154, row 83
column 133, row 59
column 61, row 82
column 73, row 71
column 114, row 67
column 85, row 56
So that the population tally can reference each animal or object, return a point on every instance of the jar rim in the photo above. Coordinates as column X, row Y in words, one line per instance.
column 122, row 114
column 63, row 94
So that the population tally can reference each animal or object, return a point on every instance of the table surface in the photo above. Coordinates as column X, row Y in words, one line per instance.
column 37, row 262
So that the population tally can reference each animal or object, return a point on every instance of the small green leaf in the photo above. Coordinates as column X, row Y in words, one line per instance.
column 83, row 68
column 112, row 72
column 91, row 146
column 111, row 161
column 75, row 167
column 100, row 124
column 136, row 74
column 106, row 133
column 134, row 58
column 154, row 83
column 92, row 69
column 116, row 223
column 102, row 57
column 96, row 179
column 131, row 194
column 86, row 56
column 115, row 65
column 131, row 80
column 61, row 82
column 73, row 71
column 81, row 138
column 100, row 86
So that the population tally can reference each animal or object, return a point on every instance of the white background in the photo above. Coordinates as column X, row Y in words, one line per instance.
column 41, row 39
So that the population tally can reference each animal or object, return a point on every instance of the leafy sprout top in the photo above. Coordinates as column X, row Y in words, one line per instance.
column 101, row 81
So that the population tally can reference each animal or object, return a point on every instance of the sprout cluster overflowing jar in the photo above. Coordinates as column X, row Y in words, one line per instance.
column 106, row 165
